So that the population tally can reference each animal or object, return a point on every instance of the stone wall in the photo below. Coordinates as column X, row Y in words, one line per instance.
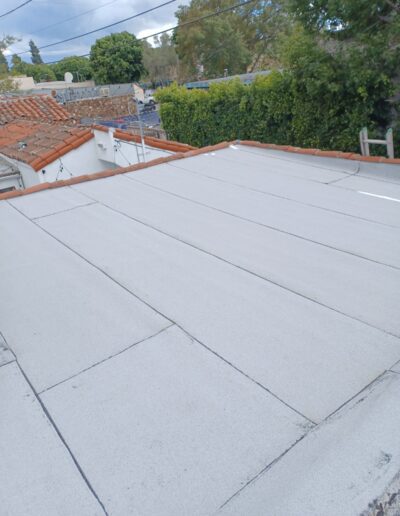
column 101, row 107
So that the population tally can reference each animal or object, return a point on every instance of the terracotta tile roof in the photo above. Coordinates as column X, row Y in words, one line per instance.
column 39, row 107
column 113, row 171
column 38, row 143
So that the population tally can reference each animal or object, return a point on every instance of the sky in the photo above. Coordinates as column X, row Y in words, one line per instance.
column 44, row 21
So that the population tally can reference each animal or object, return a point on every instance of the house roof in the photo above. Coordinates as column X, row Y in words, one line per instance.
column 214, row 333
column 40, row 143
column 39, row 107
column 158, row 143
column 182, row 150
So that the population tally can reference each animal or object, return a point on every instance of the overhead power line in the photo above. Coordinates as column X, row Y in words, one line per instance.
column 105, row 27
column 216, row 13
column 184, row 24
column 15, row 8
column 73, row 17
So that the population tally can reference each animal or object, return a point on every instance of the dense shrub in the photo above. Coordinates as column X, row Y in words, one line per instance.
column 324, row 108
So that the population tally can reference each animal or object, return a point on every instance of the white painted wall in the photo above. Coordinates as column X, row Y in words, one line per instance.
column 12, row 181
column 29, row 176
column 100, row 153
column 127, row 153
column 83, row 160
column 122, row 153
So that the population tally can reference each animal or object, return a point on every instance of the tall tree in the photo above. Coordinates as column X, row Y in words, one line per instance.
column 361, row 41
column 161, row 60
column 212, row 48
column 5, row 42
column 3, row 64
column 117, row 58
column 35, row 53
column 7, row 85
column 16, row 61
column 257, row 27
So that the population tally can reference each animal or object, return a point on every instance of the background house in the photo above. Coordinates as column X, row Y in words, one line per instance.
column 41, row 142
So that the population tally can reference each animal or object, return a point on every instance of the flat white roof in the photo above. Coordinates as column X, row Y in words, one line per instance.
column 215, row 335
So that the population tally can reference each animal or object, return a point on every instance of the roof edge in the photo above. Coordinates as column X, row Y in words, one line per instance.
column 112, row 172
column 168, row 145
column 321, row 153
column 189, row 154
column 71, row 144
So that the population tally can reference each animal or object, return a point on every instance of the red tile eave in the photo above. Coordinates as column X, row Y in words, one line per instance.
column 167, row 145
column 112, row 172
column 64, row 139
column 73, row 143
column 191, row 153
column 322, row 153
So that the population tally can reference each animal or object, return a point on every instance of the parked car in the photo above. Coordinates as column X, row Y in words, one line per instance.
column 148, row 100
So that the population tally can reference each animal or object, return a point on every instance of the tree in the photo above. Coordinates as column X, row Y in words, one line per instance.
column 117, row 58
column 346, row 18
column 216, row 47
column 160, row 61
column 243, row 39
column 8, row 86
column 3, row 64
column 39, row 72
column 36, row 58
column 78, row 66
column 346, row 60
column 16, row 61
column 5, row 42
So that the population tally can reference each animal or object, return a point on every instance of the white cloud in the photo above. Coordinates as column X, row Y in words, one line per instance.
column 27, row 23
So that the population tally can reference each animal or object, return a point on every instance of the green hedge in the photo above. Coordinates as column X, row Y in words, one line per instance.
column 281, row 108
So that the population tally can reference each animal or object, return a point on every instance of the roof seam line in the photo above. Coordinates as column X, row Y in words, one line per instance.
column 315, row 428
column 279, row 230
column 63, row 211
column 210, row 350
column 161, row 314
column 63, row 440
column 370, row 384
column 9, row 362
column 281, row 158
column 265, row 469
column 52, row 422
column 263, row 278
column 107, row 358
column 286, row 198
column 92, row 264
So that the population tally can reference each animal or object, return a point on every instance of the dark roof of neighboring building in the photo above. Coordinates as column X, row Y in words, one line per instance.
column 245, row 78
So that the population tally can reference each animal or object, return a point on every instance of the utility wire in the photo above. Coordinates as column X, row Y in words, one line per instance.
column 184, row 24
column 216, row 13
column 105, row 26
column 15, row 9
column 72, row 18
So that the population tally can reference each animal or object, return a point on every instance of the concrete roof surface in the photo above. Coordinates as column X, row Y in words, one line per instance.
column 214, row 335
